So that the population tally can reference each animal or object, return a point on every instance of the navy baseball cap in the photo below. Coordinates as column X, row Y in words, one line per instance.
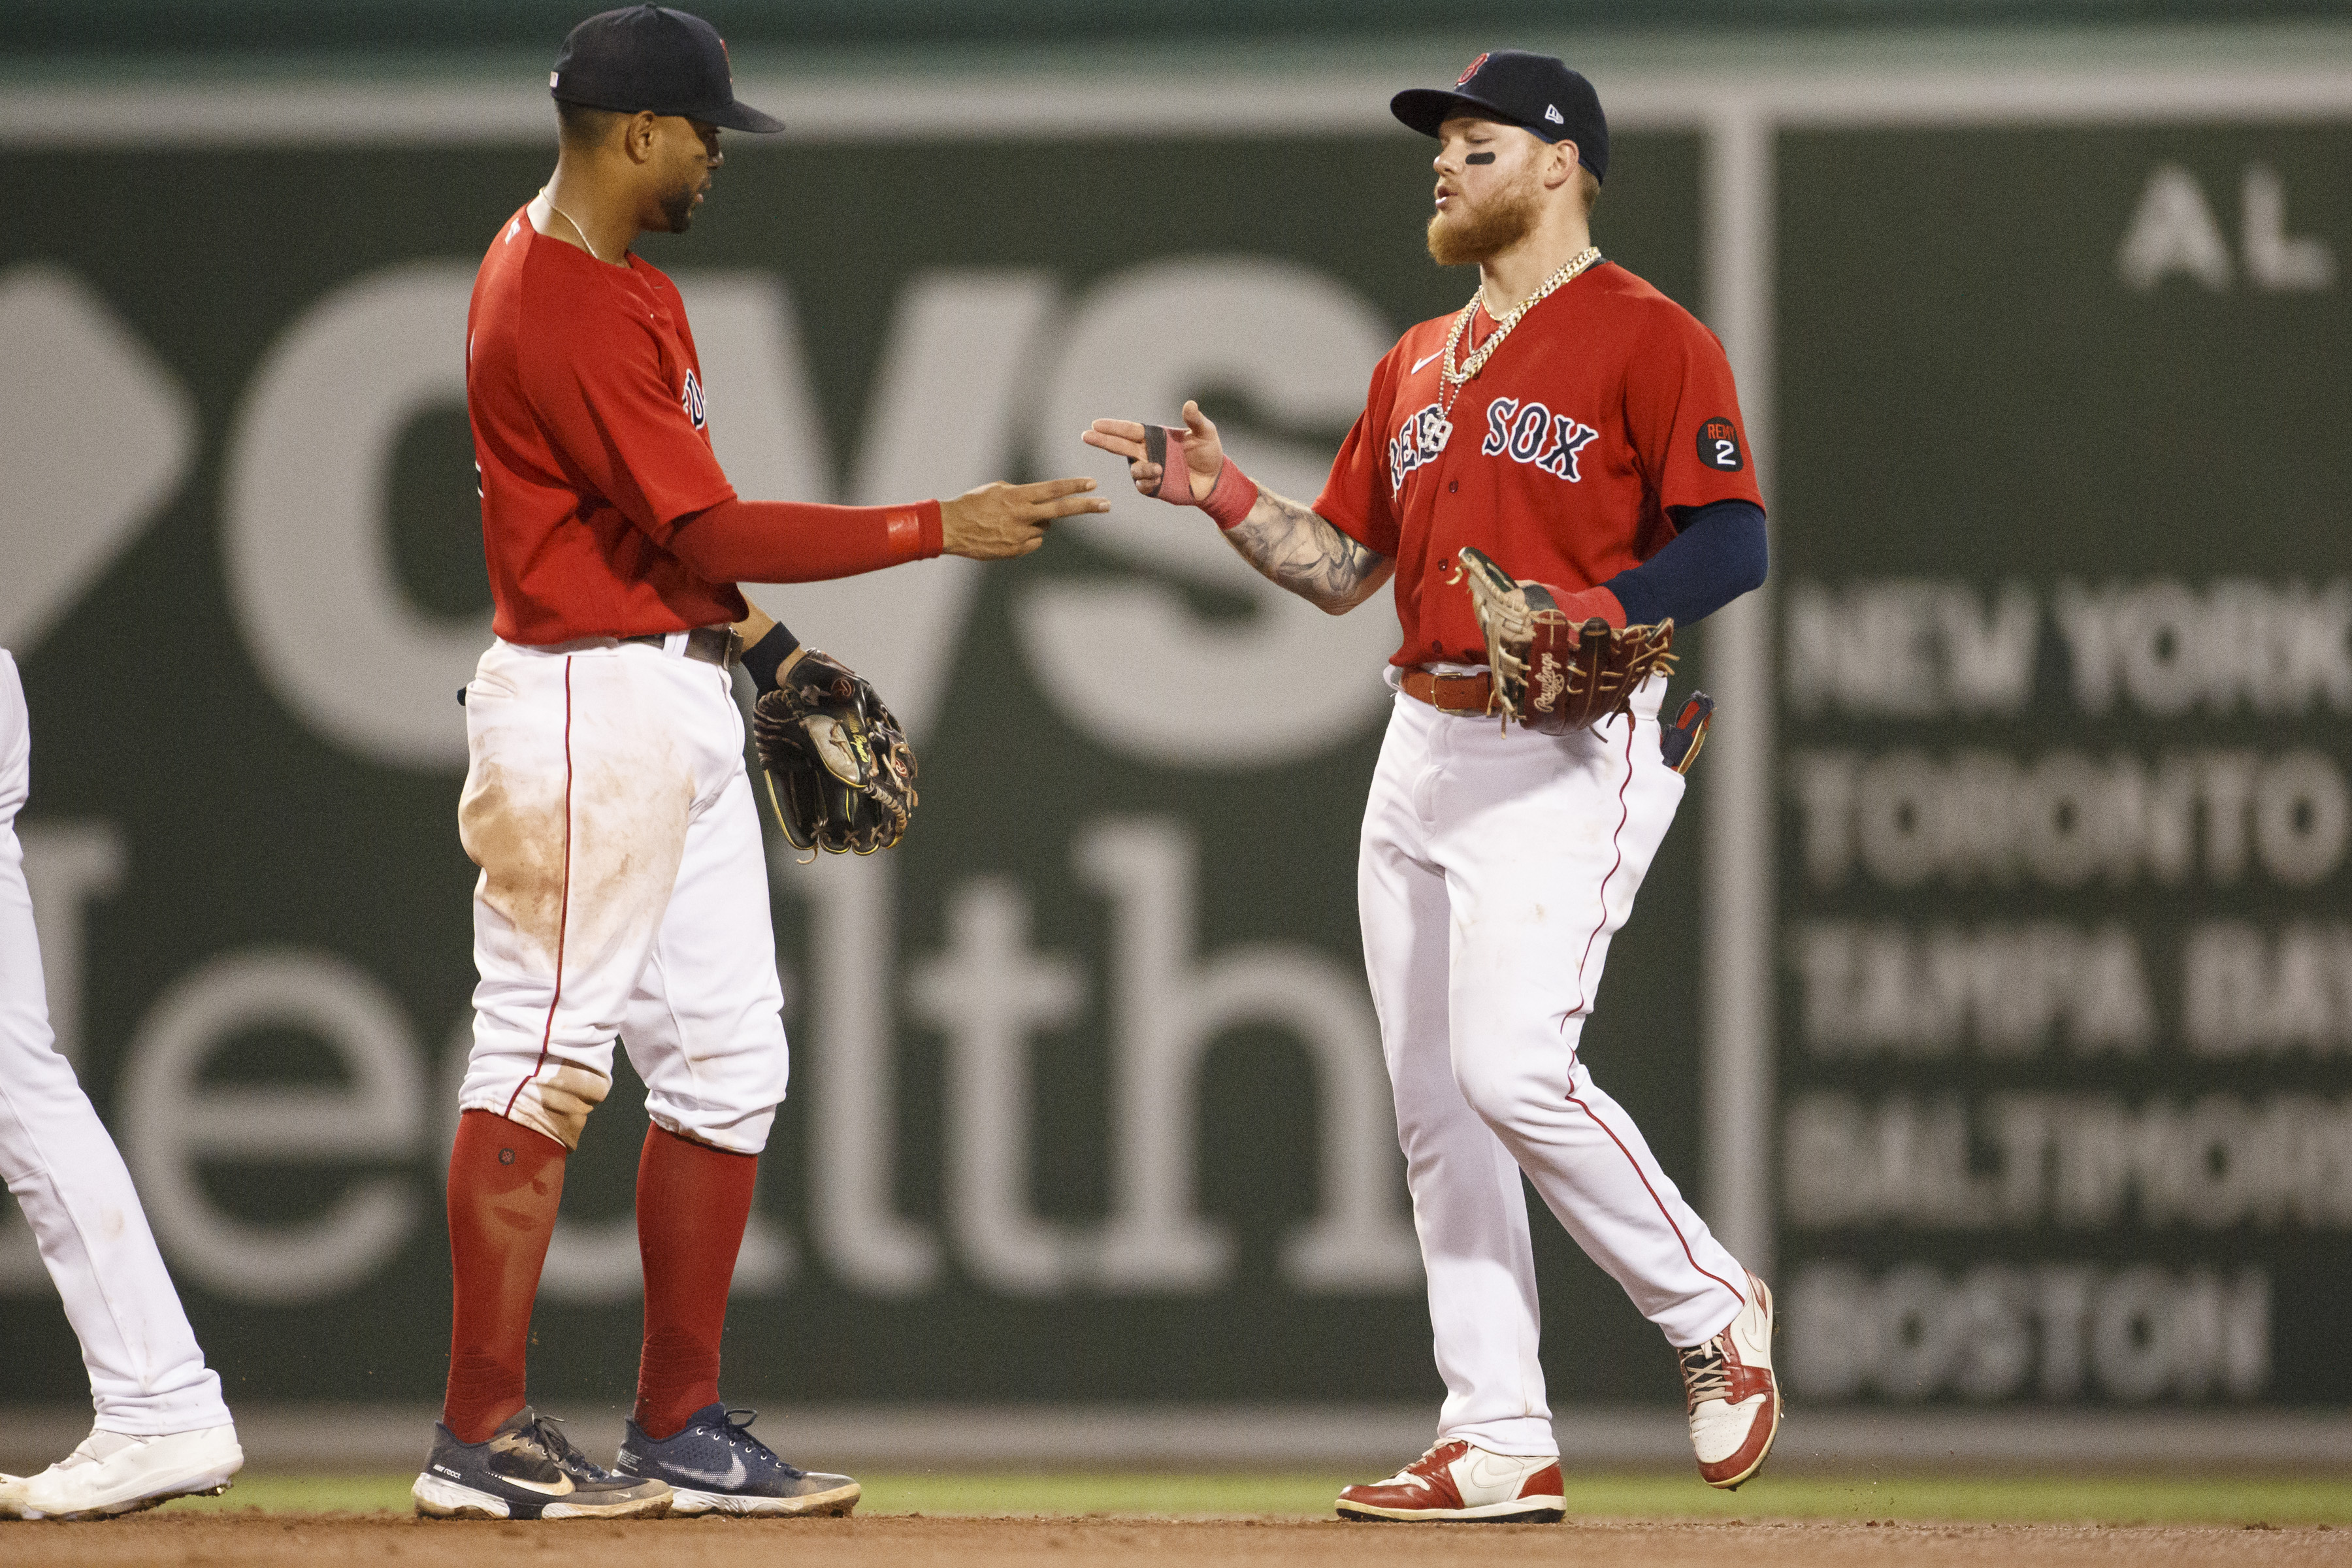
column 1536, row 93
column 643, row 57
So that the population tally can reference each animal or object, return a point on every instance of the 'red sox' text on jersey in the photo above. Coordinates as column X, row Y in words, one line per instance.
column 1608, row 405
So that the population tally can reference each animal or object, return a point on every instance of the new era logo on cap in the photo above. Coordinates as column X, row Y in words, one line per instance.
column 1552, row 112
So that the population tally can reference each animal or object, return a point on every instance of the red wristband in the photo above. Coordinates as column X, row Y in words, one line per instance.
column 1231, row 499
column 916, row 531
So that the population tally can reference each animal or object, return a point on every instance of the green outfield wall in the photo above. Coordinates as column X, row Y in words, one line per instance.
column 102, row 30
column 1995, row 988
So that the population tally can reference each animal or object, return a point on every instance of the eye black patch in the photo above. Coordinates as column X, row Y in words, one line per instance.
column 1479, row 158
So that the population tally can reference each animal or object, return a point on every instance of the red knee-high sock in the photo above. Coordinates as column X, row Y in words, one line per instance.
column 504, row 1183
column 692, row 1202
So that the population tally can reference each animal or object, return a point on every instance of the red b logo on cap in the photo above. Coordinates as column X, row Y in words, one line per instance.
column 1463, row 80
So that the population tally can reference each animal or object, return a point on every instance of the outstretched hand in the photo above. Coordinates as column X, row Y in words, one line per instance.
column 1204, row 455
column 999, row 519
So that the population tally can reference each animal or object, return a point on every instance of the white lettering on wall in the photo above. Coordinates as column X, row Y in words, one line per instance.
column 2009, row 990
column 173, row 1122
column 2276, row 260
column 848, row 1072
column 990, row 994
column 2066, row 819
column 2279, row 649
column 948, row 410
column 1168, row 1007
column 2174, row 233
column 2055, row 1330
column 1188, row 691
column 304, row 523
column 1909, row 647
column 2246, row 991
column 95, row 438
column 307, row 480
column 2083, row 1162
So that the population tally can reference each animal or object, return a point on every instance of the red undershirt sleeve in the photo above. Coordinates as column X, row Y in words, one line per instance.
column 799, row 542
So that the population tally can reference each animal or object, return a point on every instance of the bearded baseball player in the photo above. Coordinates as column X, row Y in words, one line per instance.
column 623, row 890
column 161, row 1430
column 1555, row 476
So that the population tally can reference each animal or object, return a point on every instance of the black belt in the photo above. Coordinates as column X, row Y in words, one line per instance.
column 721, row 646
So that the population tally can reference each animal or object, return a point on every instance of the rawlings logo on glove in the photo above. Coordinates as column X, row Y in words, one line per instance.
column 841, row 776
column 1552, row 674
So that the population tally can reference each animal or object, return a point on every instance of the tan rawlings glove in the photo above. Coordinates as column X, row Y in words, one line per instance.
column 1552, row 674
column 841, row 776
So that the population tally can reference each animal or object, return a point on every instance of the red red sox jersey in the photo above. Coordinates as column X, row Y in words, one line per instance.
column 1607, row 405
column 592, row 440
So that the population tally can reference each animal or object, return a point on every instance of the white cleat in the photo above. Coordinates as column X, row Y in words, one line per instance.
column 1458, row 1482
column 114, row 1472
column 1732, row 1395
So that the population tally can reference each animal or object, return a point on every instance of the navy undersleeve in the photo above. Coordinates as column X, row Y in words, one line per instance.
column 1719, row 554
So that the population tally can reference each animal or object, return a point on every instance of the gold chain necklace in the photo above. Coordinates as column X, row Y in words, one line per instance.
column 1453, row 374
column 585, row 243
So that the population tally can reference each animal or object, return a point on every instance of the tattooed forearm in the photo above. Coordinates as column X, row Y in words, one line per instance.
column 1292, row 546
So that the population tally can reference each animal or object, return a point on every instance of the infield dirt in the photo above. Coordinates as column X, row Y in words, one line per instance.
column 256, row 1540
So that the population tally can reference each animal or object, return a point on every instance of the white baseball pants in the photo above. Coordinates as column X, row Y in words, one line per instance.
column 147, row 1375
column 624, row 893
column 1494, row 869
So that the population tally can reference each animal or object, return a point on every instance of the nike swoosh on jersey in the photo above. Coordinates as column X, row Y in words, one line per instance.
column 1421, row 361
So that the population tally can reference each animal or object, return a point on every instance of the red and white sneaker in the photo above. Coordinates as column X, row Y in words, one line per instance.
column 1459, row 1482
column 1732, row 1396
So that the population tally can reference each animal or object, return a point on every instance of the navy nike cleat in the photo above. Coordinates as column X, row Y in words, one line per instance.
column 528, row 1470
column 714, row 1465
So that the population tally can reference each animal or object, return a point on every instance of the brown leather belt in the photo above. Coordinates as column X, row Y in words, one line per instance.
column 721, row 646
column 1458, row 694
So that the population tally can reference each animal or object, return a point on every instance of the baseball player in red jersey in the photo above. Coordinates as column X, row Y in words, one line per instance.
column 1581, row 429
column 623, row 890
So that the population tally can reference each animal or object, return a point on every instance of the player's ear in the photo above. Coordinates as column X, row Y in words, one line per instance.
column 1565, row 156
column 639, row 135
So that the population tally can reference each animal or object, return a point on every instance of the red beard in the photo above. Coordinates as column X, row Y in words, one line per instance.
column 1480, row 232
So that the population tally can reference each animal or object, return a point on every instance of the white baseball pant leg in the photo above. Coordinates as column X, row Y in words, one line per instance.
column 623, row 894
column 147, row 1375
column 705, row 1024
column 1494, row 869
